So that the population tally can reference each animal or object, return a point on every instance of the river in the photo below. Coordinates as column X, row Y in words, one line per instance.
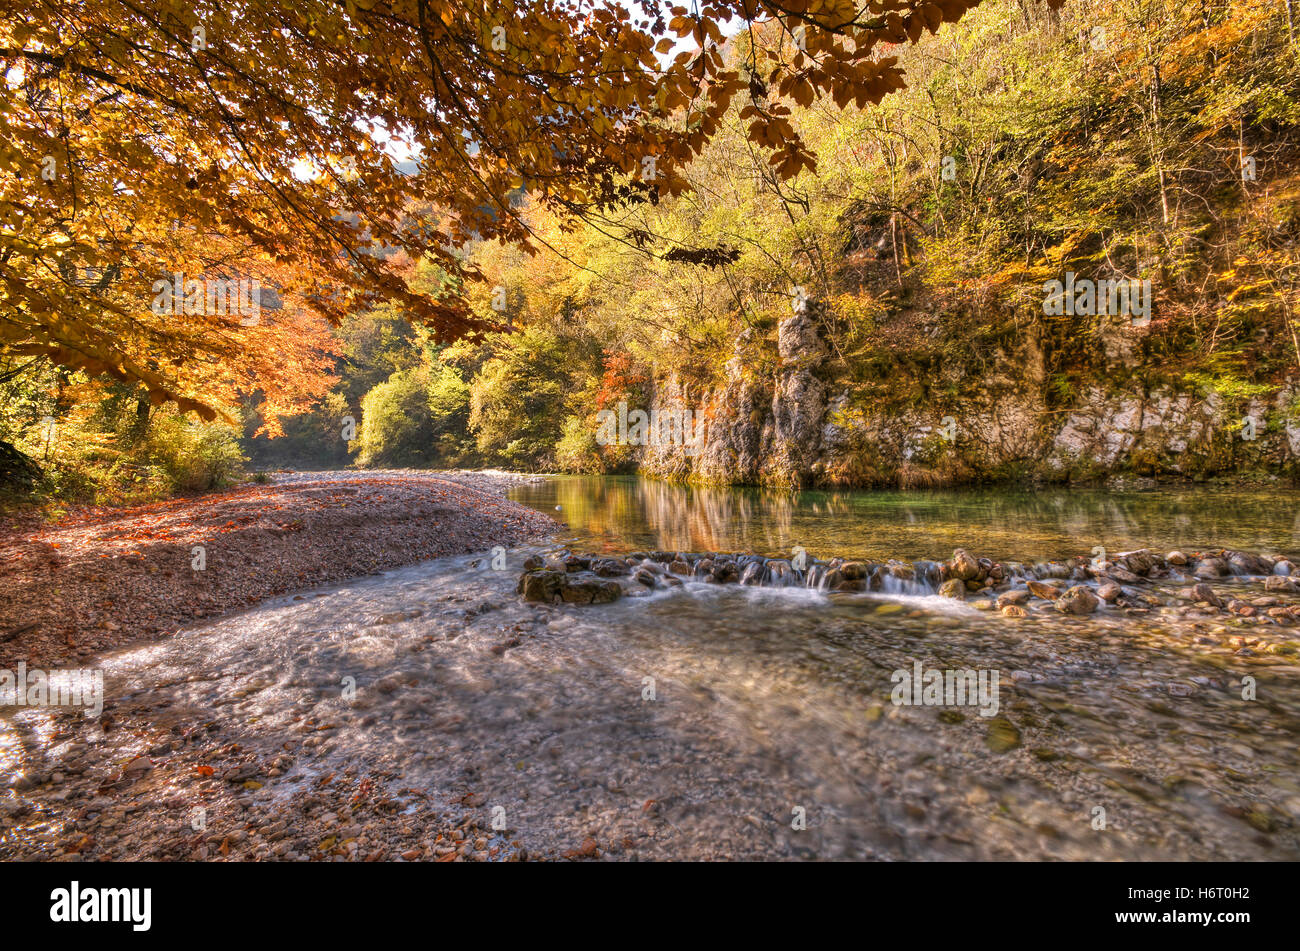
column 720, row 721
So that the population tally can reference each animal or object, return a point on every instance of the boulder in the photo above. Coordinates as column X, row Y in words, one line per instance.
column 963, row 566
column 590, row 591
column 1077, row 600
column 541, row 585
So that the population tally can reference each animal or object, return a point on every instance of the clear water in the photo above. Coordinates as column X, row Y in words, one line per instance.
column 621, row 514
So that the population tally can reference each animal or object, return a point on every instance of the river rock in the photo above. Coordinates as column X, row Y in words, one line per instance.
column 1210, row 568
column 963, row 566
column 1077, row 600
column 1176, row 558
column 548, row 586
column 953, row 588
column 1201, row 592
column 1109, row 591
column 540, row 585
column 1142, row 562
column 1040, row 590
column 576, row 563
column 853, row 571
column 590, row 591
column 1014, row 596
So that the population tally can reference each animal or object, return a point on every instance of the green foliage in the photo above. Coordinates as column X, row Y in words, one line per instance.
column 522, row 395
column 196, row 457
column 396, row 427
column 1229, row 387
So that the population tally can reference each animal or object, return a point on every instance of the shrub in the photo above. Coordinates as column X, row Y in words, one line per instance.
column 195, row 456
column 396, row 425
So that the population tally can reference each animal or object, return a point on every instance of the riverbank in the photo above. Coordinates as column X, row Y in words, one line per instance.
column 97, row 580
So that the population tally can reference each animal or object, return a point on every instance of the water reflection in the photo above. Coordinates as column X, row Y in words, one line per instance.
column 621, row 513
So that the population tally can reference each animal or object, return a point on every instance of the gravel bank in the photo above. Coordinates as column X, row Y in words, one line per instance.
column 99, row 579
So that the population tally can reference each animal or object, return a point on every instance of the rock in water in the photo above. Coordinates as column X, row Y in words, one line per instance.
column 549, row 586
column 1108, row 591
column 1003, row 735
column 541, row 586
column 963, row 565
column 953, row 588
column 1041, row 590
column 590, row 591
column 1077, row 600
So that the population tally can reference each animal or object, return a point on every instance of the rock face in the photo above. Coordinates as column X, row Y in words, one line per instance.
column 781, row 417
column 798, row 398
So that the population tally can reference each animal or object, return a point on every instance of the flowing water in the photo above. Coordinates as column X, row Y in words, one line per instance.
column 720, row 721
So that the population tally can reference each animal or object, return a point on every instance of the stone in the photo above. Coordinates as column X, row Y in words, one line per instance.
column 1077, row 600
column 1109, row 591
column 610, row 568
column 543, row 585
column 1201, row 592
column 1040, row 590
column 590, row 591
column 963, row 566
column 1210, row 568
column 953, row 588
column 853, row 570
column 1002, row 735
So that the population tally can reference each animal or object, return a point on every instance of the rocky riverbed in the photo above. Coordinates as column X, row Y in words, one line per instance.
column 433, row 713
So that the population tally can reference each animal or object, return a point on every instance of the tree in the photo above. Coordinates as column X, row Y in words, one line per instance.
column 149, row 138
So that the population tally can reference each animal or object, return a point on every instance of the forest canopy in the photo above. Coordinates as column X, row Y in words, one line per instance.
column 317, row 147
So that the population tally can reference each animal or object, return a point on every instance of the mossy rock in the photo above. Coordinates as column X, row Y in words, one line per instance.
column 1002, row 735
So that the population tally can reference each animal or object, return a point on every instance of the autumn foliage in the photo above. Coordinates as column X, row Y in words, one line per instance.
column 140, row 140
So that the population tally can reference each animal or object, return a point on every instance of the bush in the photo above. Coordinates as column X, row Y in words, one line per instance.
column 396, row 425
column 577, row 450
column 195, row 457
